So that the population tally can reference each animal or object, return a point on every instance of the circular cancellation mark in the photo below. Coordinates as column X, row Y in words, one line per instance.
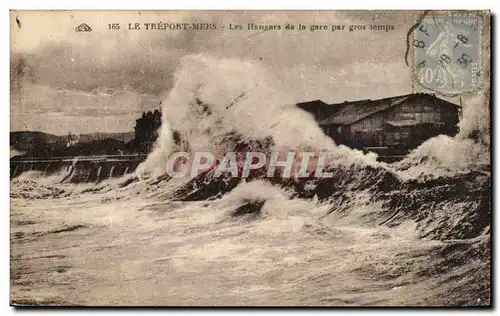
column 447, row 53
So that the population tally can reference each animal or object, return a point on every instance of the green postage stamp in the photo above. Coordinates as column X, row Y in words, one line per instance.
column 447, row 50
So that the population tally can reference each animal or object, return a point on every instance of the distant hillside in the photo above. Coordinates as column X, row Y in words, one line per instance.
column 30, row 140
column 124, row 137
column 40, row 144
column 108, row 146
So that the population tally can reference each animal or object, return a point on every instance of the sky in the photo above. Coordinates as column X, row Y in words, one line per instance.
column 81, row 82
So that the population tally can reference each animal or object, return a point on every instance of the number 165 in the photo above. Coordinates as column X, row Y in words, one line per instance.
column 114, row 26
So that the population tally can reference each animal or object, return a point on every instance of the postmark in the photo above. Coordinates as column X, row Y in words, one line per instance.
column 447, row 53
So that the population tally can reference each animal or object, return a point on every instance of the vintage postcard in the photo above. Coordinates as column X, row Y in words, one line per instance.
column 250, row 158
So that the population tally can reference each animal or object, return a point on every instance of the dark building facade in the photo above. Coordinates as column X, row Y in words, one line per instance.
column 397, row 124
column 146, row 131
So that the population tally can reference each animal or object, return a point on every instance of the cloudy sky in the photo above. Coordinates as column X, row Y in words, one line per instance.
column 63, row 81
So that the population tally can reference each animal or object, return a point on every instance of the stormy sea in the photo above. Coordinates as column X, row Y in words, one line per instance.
column 411, row 233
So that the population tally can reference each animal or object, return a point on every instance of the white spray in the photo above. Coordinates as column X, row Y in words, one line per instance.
column 214, row 98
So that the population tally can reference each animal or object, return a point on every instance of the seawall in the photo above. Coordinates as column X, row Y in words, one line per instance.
column 78, row 169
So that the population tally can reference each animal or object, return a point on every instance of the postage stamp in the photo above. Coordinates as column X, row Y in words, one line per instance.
column 212, row 158
column 447, row 50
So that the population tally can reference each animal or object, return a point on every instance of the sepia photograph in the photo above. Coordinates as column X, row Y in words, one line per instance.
column 250, row 158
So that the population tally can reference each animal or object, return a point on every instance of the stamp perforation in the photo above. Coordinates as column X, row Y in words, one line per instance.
column 423, row 76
